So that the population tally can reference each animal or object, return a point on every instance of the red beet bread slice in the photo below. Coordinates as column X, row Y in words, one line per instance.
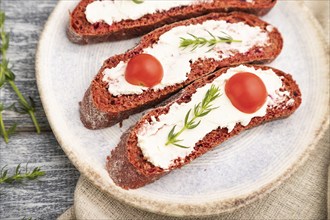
column 80, row 31
column 100, row 109
column 129, row 168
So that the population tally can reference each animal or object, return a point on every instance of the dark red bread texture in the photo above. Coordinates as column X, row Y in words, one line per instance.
column 80, row 31
column 126, row 164
column 100, row 109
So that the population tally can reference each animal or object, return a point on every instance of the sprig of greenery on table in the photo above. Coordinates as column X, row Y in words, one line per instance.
column 19, row 176
column 7, row 76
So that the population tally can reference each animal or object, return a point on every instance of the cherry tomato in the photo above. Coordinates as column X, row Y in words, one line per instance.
column 144, row 70
column 246, row 91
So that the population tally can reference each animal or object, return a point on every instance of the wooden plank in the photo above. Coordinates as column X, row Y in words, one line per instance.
column 24, row 123
column 47, row 197
column 25, row 21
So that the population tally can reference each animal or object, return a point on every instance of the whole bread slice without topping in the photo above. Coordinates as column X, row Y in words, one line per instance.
column 100, row 109
column 80, row 31
column 129, row 169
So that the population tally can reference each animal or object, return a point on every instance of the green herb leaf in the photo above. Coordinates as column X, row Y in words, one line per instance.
column 200, row 110
column 138, row 1
column 179, row 145
column 201, row 41
column 3, row 131
column 19, row 176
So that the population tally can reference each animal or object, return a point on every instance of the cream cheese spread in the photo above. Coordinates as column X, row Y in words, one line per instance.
column 153, row 136
column 111, row 11
column 176, row 60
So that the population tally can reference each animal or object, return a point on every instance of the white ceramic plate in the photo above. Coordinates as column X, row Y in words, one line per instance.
column 235, row 173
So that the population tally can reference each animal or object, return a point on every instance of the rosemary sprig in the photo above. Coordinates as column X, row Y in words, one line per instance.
column 19, row 176
column 138, row 1
column 200, row 110
column 202, row 41
column 5, row 133
column 6, row 75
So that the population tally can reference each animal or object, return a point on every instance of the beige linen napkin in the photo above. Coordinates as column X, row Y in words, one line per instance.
column 303, row 196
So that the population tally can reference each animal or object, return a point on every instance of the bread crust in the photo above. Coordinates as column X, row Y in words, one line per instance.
column 80, row 31
column 129, row 170
column 99, row 109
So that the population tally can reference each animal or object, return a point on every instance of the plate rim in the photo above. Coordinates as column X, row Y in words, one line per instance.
column 175, row 209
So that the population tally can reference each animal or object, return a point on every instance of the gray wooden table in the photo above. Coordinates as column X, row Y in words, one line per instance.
column 52, row 194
